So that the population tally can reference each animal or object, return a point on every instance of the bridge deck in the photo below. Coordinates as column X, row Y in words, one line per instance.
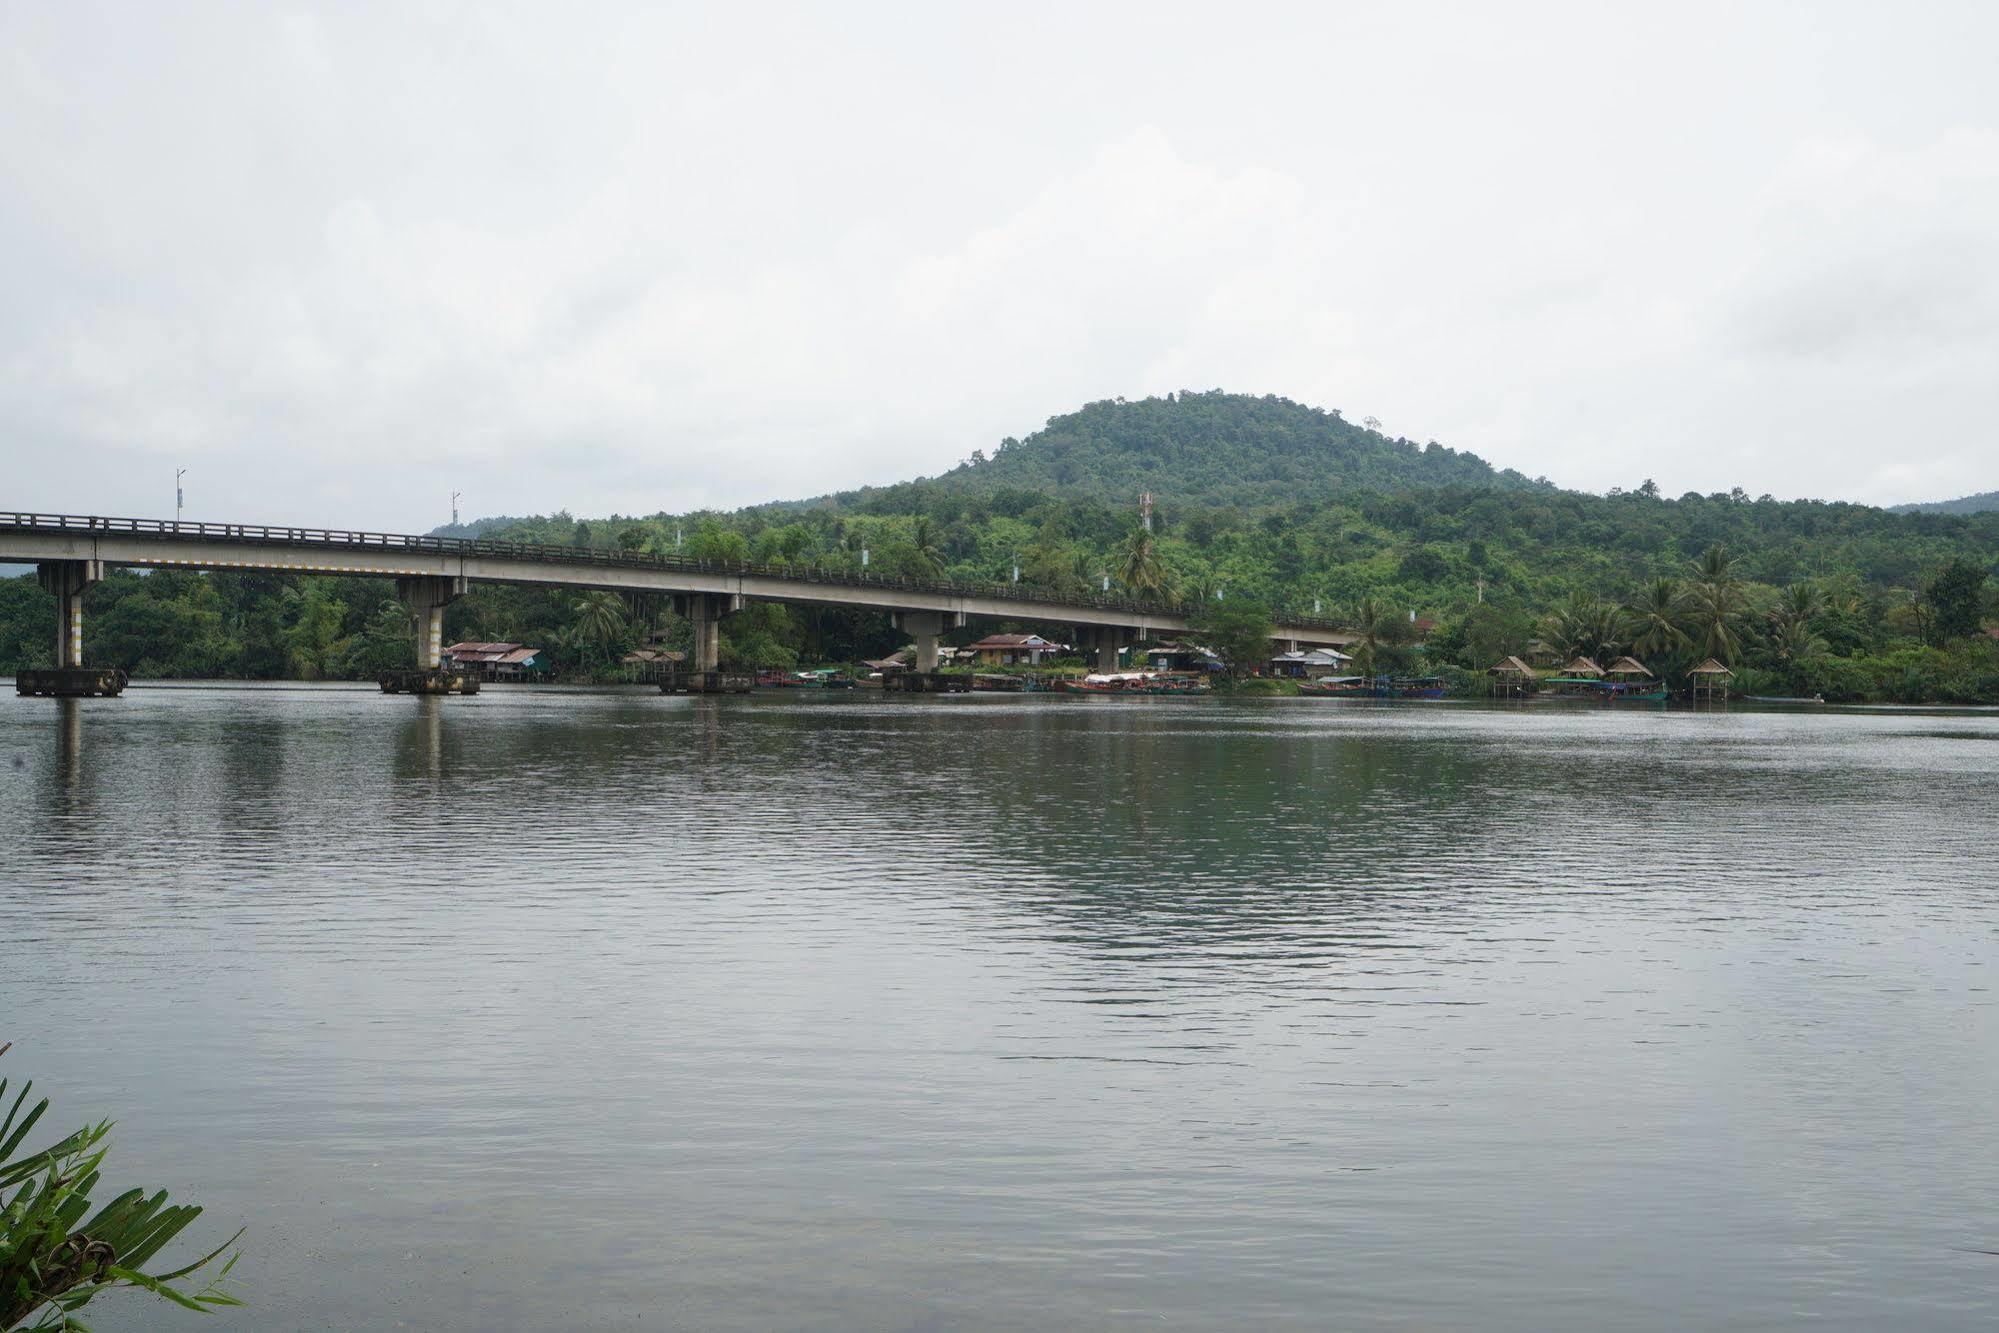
column 32, row 537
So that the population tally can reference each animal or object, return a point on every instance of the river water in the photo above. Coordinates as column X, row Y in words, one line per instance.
column 606, row 1010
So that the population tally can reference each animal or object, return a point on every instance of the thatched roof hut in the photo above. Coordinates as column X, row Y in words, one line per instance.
column 1512, row 677
column 1582, row 666
column 1628, row 667
column 1541, row 653
column 1709, row 679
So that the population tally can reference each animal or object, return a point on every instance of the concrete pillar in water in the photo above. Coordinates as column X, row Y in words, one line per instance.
column 706, row 654
column 426, row 597
column 704, row 612
column 67, row 579
column 923, row 629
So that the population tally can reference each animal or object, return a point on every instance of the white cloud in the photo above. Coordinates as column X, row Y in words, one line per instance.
column 343, row 261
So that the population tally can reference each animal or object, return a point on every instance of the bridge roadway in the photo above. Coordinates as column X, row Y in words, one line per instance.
column 72, row 551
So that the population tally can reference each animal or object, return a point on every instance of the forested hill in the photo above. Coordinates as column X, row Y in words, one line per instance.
column 1260, row 503
column 1215, row 449
column 1985, row 502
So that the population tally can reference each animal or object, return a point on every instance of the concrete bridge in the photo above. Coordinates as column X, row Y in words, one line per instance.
column 71, row 552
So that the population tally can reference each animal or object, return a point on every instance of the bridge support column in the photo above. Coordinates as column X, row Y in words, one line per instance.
column 67, row 579
column 69, row 678
column 705, row 612
column 924, row 628
column 426, row 597
column 1109, row 641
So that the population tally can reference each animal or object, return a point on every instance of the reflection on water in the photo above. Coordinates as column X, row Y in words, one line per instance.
column 562, row 1009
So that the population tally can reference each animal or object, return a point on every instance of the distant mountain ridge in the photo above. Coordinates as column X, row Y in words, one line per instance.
column 1984, row 502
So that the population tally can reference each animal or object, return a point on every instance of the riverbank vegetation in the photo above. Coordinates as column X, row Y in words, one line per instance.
column 1259, row 504
column 57, row 1254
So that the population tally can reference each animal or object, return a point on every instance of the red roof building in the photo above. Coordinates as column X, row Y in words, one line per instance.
column 1014, row 650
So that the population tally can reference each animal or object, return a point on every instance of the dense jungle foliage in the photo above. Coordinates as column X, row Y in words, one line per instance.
column 1259, row 503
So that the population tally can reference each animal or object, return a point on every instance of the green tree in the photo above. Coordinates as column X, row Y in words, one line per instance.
column 1794, row 645
column 1138, row 565
column 1652, row 619
column 1372, row 627
column 1585, row 625
column 601, row 625
column 1238, row 632
column 1956, row 598
column 314, row 643
column 1715, row 605
column 926, row 557
column 385, row 641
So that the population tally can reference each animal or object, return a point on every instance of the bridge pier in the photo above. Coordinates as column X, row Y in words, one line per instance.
column 69, row 678
column 705, row 612
column 924, row 628
column 425, row 597
column 1109, row 641
column 67, row 579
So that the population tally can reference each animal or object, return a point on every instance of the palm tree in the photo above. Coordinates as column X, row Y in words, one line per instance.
column 1203, row 587
column 1370, row 629
column 1715, row 565
column 1086, row 571
column 1652, row 619
column 1585, row 625
column 1055, row 568
column 1138, row 567
column 927, row 556
column 600, row 622
column 1715, row 604
column 1793, row 643
column 1802, row 604
column 1714, row 618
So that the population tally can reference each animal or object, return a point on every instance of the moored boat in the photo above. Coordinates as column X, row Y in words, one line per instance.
column 1336, row 687
column 1374, row 687
column 1108, row 682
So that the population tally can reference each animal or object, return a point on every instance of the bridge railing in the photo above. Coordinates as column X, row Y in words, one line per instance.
column 256, row 534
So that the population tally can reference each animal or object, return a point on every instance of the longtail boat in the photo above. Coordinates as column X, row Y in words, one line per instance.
column 1375, row 687
column 1337, row 687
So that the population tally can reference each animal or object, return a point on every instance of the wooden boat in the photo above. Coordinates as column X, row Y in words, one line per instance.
column 1603, row 691
column 1336, row 687
column 995, row 683
column 1783, row 699
column 1172, row 682
column 1376, row 687
column 1110, row 682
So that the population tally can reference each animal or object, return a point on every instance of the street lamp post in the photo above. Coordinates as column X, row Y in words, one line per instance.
column 179, row 472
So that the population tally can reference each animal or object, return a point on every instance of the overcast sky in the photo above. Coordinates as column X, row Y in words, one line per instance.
column 339, row 262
